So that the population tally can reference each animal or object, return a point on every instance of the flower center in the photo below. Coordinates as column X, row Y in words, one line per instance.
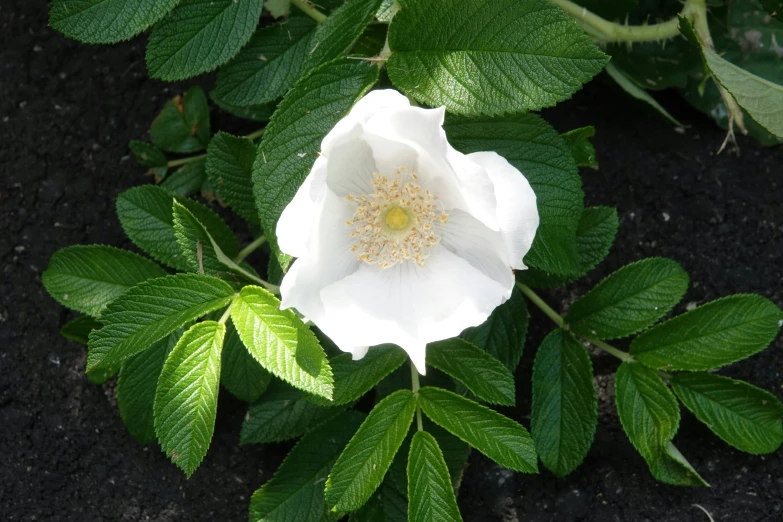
column 396, row 218
column 397, row 222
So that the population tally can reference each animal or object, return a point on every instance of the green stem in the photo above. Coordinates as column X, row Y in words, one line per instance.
column 415, row 387
column 386, row 51
column 307, row 8
column 249, row 249
column 182, row 161
column 559, row 321
column 605, row 31
column 225, row 315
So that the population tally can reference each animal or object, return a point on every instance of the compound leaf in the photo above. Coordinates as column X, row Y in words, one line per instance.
column 489, row 58
column 481, row 373
column 565, row 406
column 506, row 442
column 230, row 170
column 362, row 465
column 183, row 124
column 86, row 278
column 186, row 398
column 106, row 21
column 430, row 493
column 199, row 35
column 712, row 335
column 748, row 418
column 629, row 300
column 281, row 342
column 150, row 311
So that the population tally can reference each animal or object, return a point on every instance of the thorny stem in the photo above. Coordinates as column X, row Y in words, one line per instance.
column 249, row 249
column 605, row 31
column 307, row 8
column 559, row 321
column 415, row 388
column 182, row 161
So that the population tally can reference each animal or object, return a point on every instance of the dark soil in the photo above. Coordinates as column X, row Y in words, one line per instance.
column 67, row 112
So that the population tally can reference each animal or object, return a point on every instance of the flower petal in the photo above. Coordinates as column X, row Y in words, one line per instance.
column 483, row 248
column 299, row 218
column 328, row 258
column 409, row 305
column 351, row 166
column 517, row 212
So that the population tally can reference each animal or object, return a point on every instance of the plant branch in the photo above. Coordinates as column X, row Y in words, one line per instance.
column 559, row 321
column 415, row 388
column 603, row 30
column 309, row 9
column 249, row 249
column 182, row 161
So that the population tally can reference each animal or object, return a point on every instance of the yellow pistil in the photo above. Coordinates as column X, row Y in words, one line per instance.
column 397, row 222
column 396, row 218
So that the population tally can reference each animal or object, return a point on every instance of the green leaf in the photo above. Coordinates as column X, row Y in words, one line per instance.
column 650, row 417
column 748, row 418
column 145, row 213
column 268, row 65
column 362, row 465
column 136, row 386
column 506, row 442
column 149, row 156
column 293, row 136
column 186, row 398
column 503, row 334
column 199, row 35
column 640, row 94
column 594, row 238
column 281, row 342
column 106, row 21
column 564, row 413
column 530, row 144
column 483, row 375
column 761, row 98
column 257, row 112
column 712, row 335
column 429, row 487
column 86, row 278
column 230, row 170
column 79, row 329
column 337, row 34
column 578, row 140
column 388, row 504
column 296, row 491
column 352, row 379
column 183, row 124
column 281, row 414
column 489, row 58
column 150, row 311
column 195, row 245
column 629, row 300
column 187, row 180
column 241, row 374
column 774, row 7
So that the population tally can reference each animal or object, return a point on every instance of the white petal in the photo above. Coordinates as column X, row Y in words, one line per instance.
column 483, row 248
column 408, row 305
column 328, row 258
column 298, row 220
column 350, row 167
column 516, row 211
column 364, row 109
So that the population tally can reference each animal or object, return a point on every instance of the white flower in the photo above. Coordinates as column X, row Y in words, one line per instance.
column 400, row 238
